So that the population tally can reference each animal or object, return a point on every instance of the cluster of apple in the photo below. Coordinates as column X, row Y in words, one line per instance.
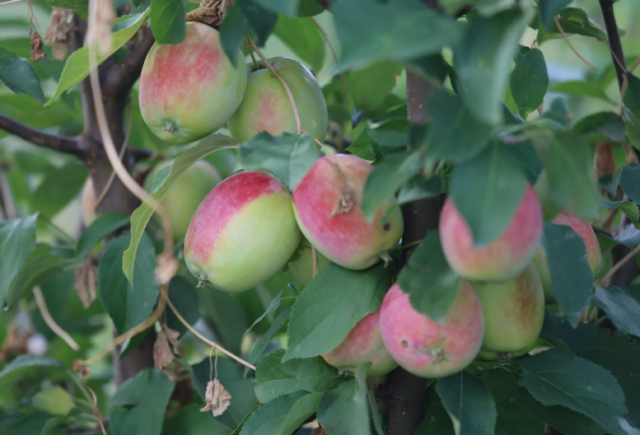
column 249, row 225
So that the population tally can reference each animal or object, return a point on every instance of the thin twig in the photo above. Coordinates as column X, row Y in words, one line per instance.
column 314, row 256
column 253, row 58
column 296, row 114
column 571, row 45
column 112, row 177
column 94, row 405
column 619, row 264
column 635, row 65
column 10, row 1
column 42, row 305
column 7, row 197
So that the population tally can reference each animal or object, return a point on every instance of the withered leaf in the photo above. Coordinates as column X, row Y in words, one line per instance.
column 217, row 398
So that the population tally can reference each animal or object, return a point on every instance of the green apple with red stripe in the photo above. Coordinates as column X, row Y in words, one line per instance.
column 242, row 233
column 266, row 105
column 327, row 204
column 189, row 90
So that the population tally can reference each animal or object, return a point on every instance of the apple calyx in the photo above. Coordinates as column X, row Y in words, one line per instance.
column 347, row 198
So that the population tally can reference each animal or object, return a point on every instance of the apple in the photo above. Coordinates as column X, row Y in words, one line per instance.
column 513, row 315
column 183, row 198
column 424, row 347
column 267, row 107
column 242, row 233
column 327, row 204
column 587, row 235
column 88, row 203
column 301, row 264
column 505, row 257
column 191, row 89
column 363, row 344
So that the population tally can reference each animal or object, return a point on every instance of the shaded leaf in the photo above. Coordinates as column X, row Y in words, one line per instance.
column 303, row 38
column 529, row 81
column 19, row 75
column 582, row 88
column 17, row 242
column 168, row 21
column 58, row 188
column 604, row 125
column 268, row 418
column 104, row 225
column 345, row 409
column 620, row 306
column 26, row 366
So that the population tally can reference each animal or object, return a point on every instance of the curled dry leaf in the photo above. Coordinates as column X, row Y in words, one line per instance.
column 15, row 342
column 167, row 267
column 58, row 34
column 163, row 355
column 85, row 281
column 604, row 163
column 36, row 48
column 99, row 30
column 217, row 398
column 210, row 12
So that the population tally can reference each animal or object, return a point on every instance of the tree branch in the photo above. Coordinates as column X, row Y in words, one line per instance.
column 69, row 145
column 617, row 54
column 121, row 77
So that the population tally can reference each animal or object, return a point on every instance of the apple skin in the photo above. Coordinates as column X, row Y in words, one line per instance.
column 504, row 258
column 190, row 90
column 184, row 197
column 363, row 344
column 266, row 105
column 302, row 266
column 346, row 238
column 590, row 240
column 242, row 233
column 513, row 315
column 88, row 203
column 424, row 347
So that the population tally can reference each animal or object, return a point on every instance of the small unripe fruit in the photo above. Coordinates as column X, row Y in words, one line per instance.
column 590, row 240
column 190, row 90
column 267, row 107
column 505, row 257
column 301, row 266
column 513, row 315
column 424, row 347
column 182, row 199
column 242, row 233
column 363, row 344
column 327, row 203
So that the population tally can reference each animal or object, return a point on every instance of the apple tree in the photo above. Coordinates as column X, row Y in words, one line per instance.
column 319, row 217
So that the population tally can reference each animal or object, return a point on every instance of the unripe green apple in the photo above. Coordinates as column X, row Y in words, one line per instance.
column 513, row 315
column 327, row 204
column 590, row 240
column 505, row 257
column 243, row 232
column 267, row 107
column 424, row 347
column 189, row 90
column 301, row 264
column 88, row 203
column 184, row 197
column 363, row 344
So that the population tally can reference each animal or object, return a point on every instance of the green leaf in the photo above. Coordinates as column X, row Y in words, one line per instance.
column 229, row 375
column 630, row 181
column 364, row 147
column 141, row 216
column 549, row 9
column 529, row 81
column 77, row 67
column 139, row 404
column 411, row 29
column 557, row 377
column 183, row 296
column 287, row 7
column 23, row 366
column 234, row 29
column 375, row 414
column 263, row 341
column 569, row 165
column 436, row 420
column 309, row 8
column 273, row 305
column 98, row 230
column 603, row 125
column 331, row 305
column 631, row 109
column 288, row 156
column 386, row 177
column 627, row 207
column 268, row 418
column 576, row 21
column 168, row 21
column 344, row 410
column 484, row 58
column 261, row 20
column 571, row 276
column 19, row 75
column 512, row 418
column 58, row 188
column 487, row 192
column 368, row 86
column 275, row 378
column 580, row 88
column 621, row 308
column 17, row 242
column 428, row 280
column 525, row 155
column 456, row 135
column 35, row 271
column 302, row 36
column 128, row 305
column 190, row 421
column 302, row 409
column 469, row 404
column 418, row 188
column 54, row 401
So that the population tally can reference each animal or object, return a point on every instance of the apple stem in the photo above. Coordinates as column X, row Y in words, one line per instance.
column 314, row 255
column 253, row 58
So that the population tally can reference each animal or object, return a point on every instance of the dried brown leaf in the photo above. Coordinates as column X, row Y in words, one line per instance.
column 217, row 398
column 210, row 12
column 15, row 342
column 85, row 283
column 58, row 34
column 100, row 26
column 166, row 268
column 36, row 48
column 162, row 355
